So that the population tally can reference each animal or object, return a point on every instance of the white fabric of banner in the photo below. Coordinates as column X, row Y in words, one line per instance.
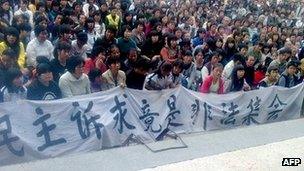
column 31, row 130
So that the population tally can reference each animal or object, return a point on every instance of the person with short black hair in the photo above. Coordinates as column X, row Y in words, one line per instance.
column 24, row 36
column 61, row 54
column 107, row 40
column 7, row 61
column 289, row 78
column 113, row 77
column 160, row 79
column 281, row 60
column 12, row 41
column 43, row 87
column 74, row 82
column 95, row 80
column 80, row 46
column 138, row 34
column 189, row 72
column 125, row 43
column 39, row 46
column 13, row 89
column 23, row 10
column 271, row 78
column 137, row 76
column 214, row 82
column 113, row 18
column 96, row 60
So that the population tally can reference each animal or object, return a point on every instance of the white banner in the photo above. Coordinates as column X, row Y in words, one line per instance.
column 31, row 130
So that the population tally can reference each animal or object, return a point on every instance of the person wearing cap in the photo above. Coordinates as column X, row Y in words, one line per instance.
column 11, row 41
column 43, row 87
column 39, row 46
column 74, row 82
column 271, row 78
column 281, row 60
column 80, row 46
column 289, row 78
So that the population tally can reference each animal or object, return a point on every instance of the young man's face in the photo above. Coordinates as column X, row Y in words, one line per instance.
column 292, row 70
column 127, row 34
column 187, row 59
column 114, row 12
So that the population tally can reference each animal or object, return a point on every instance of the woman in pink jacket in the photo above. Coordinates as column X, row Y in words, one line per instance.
column 213, row 83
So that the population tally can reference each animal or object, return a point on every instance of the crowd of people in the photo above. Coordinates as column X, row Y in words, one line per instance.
column 54, row 49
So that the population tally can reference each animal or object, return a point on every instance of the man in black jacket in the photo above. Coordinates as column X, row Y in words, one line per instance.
column 136, row 78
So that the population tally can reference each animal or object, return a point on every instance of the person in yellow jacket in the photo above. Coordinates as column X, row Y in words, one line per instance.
column 113, row 19
column 11, row 41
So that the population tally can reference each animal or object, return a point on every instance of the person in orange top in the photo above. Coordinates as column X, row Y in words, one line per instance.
column 171, row 52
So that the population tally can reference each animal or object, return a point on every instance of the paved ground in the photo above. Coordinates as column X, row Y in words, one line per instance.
column 266, row 157
column 214, row 148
